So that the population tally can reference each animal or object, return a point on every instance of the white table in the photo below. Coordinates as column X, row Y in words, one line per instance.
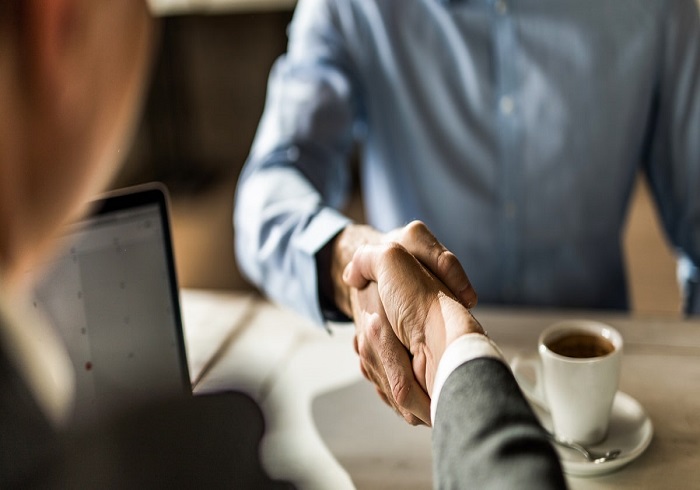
column 328, row 429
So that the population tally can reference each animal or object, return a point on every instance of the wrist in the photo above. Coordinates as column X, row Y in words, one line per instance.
column 343, row 248
column 447, row 321
column 461, row 321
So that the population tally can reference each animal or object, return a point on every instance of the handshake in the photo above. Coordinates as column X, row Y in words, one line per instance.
column 409, row 298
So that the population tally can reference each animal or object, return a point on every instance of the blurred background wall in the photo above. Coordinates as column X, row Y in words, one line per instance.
column 200, row 116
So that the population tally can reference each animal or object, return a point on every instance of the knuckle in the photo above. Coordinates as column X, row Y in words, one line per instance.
column 414, row 229
column 401, row 391
column 414, row 421
column 446, row 261
column 392, row 252
column 374, row 328
column 364, row 349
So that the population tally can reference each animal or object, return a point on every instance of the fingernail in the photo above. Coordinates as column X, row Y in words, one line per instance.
column 465, row 294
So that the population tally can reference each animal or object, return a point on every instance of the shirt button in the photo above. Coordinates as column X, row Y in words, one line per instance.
column 507, row 105
column 293, row 153
column 501, row 7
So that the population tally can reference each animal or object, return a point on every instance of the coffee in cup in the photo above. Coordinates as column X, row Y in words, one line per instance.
column 581, row 345
column 580, row 371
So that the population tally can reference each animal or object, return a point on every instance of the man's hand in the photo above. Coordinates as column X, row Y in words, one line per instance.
column 417, row 240
column 385, row 361
column 397, row 374
column 423, row 313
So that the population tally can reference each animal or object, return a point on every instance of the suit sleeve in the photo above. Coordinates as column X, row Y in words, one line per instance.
column 486, row 436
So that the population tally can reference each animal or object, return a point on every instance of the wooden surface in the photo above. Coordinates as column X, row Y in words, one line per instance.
column 328, row 429
column 171, row 7
column 661, row 370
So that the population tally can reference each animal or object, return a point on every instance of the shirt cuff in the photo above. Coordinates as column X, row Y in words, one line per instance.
column 463, row 349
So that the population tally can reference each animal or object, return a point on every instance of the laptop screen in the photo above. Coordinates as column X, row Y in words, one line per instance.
column 113, row 297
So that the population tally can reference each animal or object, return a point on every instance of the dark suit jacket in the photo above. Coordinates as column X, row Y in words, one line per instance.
column 198, row 442
column 485, row 436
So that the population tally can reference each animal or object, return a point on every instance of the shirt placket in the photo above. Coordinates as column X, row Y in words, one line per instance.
column 508, row 138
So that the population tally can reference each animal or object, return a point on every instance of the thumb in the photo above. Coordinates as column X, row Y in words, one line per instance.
column 361, row 269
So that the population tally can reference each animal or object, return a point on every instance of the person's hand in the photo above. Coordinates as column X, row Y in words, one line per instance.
column 417, row 239
column 423, row 313
column 383, row 360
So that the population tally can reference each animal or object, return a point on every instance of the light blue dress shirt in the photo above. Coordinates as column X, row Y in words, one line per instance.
column 513, row 128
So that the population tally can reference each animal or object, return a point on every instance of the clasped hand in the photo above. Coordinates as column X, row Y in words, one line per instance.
column 396, row 286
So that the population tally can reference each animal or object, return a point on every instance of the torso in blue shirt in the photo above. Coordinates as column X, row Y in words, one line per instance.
column 513, row 129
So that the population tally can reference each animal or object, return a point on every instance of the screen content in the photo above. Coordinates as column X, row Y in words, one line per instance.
column 109, row 296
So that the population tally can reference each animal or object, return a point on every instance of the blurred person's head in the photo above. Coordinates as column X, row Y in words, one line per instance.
column 71, row 79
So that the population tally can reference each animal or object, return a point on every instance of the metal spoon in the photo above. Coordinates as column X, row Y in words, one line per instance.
column 591, row 456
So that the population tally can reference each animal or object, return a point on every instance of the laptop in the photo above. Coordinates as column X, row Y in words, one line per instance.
column 113, row 296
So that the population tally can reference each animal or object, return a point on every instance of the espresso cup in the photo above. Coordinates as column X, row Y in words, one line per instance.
column 580, row 372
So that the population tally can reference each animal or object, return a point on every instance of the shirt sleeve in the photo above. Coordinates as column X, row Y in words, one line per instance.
column 297, row 175
column 464, row 349
column 673, row 159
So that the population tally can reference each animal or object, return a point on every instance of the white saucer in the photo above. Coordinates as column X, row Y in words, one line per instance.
column 630, row 431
